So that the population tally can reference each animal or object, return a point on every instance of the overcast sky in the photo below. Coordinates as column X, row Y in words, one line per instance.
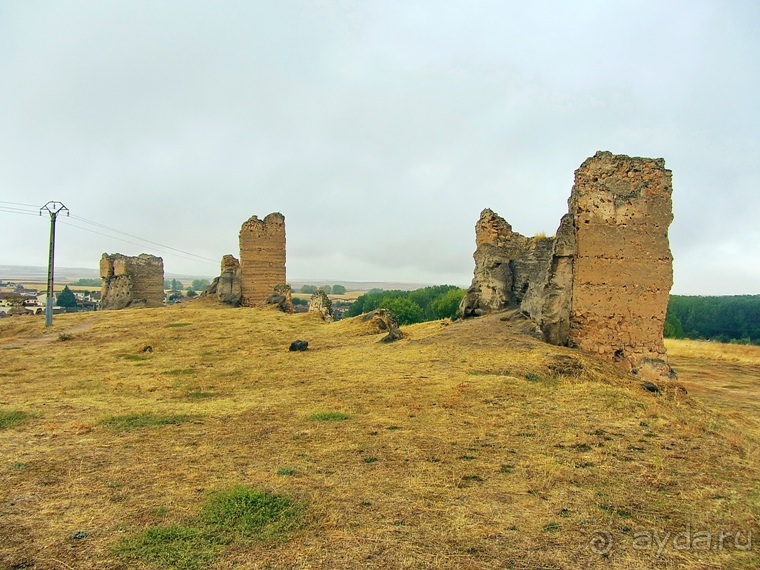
column 379, row 129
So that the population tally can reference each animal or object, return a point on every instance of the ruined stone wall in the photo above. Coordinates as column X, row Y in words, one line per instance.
column 262, row 258
column 508, row 267
column 623, row 266
column 603, row 283
column 131, row 281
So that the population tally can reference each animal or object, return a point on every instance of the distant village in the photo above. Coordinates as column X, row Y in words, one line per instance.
column 18, row 298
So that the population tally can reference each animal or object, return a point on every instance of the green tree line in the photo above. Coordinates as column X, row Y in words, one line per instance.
column 724, row 319
column 328, row 289
column 426, row 304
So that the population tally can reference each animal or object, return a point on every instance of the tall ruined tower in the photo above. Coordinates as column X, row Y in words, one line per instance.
column 623, row 268
column 262, row 258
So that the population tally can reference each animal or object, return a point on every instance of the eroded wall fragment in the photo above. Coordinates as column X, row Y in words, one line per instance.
column 508, row 267
column 226, row 288
column 131, row 281
column 623, row 267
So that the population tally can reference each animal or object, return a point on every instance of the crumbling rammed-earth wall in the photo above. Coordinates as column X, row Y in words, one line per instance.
column 262, row 258
column 226, row 288
column 623, row 266
column 602, row 283
column 131, row 281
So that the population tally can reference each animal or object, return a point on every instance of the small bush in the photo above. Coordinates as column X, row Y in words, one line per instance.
column 12, row 418
column 136, row 421
column 64, row 337
column 329, row 416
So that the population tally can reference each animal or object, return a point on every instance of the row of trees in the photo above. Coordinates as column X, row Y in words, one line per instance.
column 724, row 319
column 176, row 285
column 334, row 289
column 87, row 282
column 426, row 304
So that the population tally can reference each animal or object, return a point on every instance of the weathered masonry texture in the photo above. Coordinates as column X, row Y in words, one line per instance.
column 262, row 258
column 131, row 281
column 623, row 265
column 226, row 288
column 602, row 283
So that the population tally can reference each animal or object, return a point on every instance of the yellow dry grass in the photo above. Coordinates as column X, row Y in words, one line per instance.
column 468, row 444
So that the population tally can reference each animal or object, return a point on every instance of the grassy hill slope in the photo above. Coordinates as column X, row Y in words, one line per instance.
column 465, row 445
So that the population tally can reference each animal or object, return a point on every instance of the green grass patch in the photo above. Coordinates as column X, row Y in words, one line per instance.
column 12, row 418
column 173, row 547
column 176, row 325
column 237, row 515
column 248, row 514
column 329, row 416
column 137, row 421
column 286, row 471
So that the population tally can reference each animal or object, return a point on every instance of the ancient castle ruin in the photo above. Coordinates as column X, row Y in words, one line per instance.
column 262, row 258
column 602, row 283
column 259, row 277
column 131, row 281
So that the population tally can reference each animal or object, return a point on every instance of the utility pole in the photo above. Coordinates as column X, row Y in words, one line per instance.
column 52, row 208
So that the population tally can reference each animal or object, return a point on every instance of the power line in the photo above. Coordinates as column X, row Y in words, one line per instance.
column 103, row 226
column 201, row 259
column 166, row 249
column 19, row 204
column 18, row 211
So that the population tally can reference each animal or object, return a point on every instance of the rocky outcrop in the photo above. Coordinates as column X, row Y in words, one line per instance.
column 131, row 281
column 227, row 287
column 602, row 284
column 262, row 258
column 282, row 298
column 320, row 303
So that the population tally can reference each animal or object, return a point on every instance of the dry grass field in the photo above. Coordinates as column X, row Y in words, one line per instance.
column 465, row 445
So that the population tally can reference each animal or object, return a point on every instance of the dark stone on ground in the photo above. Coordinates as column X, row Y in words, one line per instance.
column 649, row 387
column 298, row 345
